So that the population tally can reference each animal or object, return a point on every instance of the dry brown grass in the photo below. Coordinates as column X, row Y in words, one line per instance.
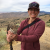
column 44, row 41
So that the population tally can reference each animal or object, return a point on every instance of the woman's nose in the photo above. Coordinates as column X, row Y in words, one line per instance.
column 33, row 11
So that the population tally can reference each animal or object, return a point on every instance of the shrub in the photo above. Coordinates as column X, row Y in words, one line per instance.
column 48, row 21
column 48, row 24
column 2, row 38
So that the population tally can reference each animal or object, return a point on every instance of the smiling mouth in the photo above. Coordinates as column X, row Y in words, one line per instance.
column 32, row 14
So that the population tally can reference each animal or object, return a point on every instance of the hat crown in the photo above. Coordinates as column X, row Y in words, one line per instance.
column 34, row 4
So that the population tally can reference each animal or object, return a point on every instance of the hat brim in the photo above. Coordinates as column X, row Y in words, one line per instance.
column 33, row 8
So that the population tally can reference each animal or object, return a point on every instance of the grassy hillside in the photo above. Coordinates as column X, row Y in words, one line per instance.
column 44, row 42
column 16, row 20
column 3, row 40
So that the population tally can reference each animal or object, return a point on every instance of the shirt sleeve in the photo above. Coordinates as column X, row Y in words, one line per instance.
column 37, row 34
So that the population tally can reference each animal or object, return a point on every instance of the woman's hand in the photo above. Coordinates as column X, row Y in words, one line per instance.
column 11, row 36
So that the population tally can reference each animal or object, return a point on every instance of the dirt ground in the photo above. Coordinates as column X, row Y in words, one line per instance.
column 44, row 41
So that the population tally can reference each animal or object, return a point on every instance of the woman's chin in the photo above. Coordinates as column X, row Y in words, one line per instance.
column 33, row 17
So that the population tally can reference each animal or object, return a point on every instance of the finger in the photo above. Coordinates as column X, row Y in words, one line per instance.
column 9, row 31
column 6, row 34
column 8, row 40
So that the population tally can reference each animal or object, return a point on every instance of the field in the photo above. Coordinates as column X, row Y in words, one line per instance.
column 44, row 40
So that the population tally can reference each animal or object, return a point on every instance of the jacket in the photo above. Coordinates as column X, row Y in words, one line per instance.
column 30, row 36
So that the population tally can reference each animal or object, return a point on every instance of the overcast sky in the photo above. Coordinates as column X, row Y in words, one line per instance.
column 22, row 5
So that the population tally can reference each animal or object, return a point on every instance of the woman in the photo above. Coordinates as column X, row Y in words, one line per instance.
column 30, row 36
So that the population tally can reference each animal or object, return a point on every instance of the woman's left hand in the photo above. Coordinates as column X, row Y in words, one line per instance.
column 11, row 36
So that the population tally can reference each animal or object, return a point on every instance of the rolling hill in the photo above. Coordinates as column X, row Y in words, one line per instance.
column 17, row 17
column 19, row 14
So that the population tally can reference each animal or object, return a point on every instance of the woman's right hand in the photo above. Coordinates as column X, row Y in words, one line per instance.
column 11, row 36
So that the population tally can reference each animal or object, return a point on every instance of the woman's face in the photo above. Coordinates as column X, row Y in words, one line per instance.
column 33, row 12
